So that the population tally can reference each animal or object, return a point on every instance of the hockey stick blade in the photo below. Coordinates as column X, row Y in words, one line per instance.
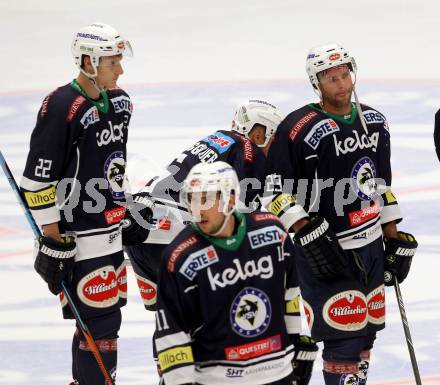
column 86, row 332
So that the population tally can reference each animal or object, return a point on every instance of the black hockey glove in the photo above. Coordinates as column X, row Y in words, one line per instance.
column 398, row 256
column 55, row 260
column 305, row 354
column 321, row 249
column 138, row 219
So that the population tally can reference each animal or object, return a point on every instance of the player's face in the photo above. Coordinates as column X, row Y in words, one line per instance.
column 109, row 70
column 207, row 208
column 336, row 86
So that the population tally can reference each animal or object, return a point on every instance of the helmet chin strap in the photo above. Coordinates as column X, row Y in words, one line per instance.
column 92, row 78
column 227, row 214
column 222, row 227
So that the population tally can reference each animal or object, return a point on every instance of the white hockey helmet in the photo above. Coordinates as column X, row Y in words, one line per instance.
column 212, row 177
column 255, row 112
column 97, row 40
column 327, row 56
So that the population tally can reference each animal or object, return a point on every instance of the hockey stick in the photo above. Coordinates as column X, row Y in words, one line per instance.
column 85, row 330
column 409, row 342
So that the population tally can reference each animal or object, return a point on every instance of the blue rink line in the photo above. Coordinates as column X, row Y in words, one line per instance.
column 214, row 102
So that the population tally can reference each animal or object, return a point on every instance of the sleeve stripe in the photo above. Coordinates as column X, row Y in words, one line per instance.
column 293, row 323
column 32, row 185
column 46, row 216
column 390, row 213
column 171, row 340
column 291, row 293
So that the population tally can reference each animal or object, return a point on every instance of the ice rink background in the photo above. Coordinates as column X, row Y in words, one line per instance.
column 194, row 61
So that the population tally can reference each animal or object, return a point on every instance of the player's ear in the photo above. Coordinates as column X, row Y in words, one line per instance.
column 86, row 64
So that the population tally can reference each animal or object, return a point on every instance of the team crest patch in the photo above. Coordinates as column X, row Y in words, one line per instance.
column 346, row 311
column 99, row 288
column 114, row 172
column 250, row 312
column 349, row 379
column 198, row 261
column 363, row 180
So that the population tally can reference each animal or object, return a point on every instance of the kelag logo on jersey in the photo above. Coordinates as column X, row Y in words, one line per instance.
column 250, row 312
column 219, row 141
column 262, row 268
column 198, row 261
column 320, row 130
column 265, row 236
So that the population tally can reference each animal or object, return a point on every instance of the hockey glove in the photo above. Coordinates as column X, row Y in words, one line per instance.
column 321, row 249
column 55, row 260
column 398, row 256
column 138, row 219
column 304, row 356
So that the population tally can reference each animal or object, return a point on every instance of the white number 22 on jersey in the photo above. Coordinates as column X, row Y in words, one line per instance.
column 43, row 167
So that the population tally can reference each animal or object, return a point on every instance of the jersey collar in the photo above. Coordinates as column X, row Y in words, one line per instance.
column 102, row 104
column 231, row 243
column 348, row 119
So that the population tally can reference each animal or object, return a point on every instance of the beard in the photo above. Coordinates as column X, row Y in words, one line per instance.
column 337, row 102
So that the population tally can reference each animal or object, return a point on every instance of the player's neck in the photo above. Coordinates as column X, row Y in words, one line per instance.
column 87, row 86
column 336, row 110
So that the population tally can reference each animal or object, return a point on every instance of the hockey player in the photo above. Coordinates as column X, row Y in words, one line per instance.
column 330, row 176
column 243, row 147
column 73, row 183
column 228, row 296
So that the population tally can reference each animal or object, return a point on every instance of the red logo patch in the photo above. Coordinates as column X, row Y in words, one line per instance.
column 376, row 306
column 99, row 288
column 74, row 107
column 310, row 317
column 181, row 247
column 334, row 56
column 114, row 215
column 147, row 289
column 253, row 349
column 121, row 276
column 63, row 299
column 165, row 224
column 364, row 215
column 266, row 217
column 300, row 124
column 346, row 311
